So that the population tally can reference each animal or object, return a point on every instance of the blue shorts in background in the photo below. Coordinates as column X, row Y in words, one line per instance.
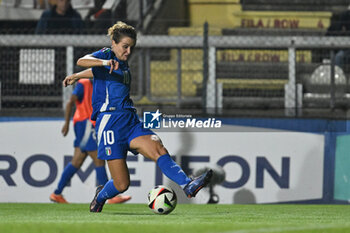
column 85, row 137
column 115, row 130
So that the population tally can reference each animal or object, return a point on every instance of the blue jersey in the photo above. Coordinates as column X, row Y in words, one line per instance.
column 110, row 91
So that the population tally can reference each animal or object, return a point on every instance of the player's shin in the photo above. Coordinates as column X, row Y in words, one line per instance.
column 108, row 191
column 172, row 170
column 67, row 174
column 101, row 175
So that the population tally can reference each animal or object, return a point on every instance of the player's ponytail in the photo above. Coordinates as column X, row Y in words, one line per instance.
column 120, row 30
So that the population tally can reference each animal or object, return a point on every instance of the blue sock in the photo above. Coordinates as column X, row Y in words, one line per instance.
column 67, row 174
column 107, row 192
column 101, row 175
column 172, row 170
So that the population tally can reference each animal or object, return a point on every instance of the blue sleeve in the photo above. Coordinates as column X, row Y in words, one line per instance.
column 79, row 91
column 104, row 53
column 99, row 71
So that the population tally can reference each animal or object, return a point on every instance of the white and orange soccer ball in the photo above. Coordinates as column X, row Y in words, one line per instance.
column 162, row 199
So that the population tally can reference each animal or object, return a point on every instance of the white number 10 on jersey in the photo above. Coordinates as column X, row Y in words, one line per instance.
column 108, row 137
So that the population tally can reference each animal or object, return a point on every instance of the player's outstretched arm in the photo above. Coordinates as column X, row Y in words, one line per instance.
column 88, row 61
column 73, row 78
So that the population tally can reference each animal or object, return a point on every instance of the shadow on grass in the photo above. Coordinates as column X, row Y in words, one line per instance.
column 126, row 213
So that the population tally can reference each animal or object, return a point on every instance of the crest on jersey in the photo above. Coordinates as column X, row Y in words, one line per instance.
column 106, row 50
column 108, row 150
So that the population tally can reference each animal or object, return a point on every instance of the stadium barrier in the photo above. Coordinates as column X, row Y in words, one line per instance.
column 169, row 70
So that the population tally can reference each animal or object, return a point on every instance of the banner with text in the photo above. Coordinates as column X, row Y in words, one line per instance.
column 251, row 167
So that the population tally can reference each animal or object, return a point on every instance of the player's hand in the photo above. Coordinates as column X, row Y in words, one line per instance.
column 113, row 64
column 69, row 80
column 65, row 129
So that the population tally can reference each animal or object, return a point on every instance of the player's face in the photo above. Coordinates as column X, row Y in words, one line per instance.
column 123, row 49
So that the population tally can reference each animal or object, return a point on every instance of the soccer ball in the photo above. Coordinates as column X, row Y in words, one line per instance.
column 162, row 200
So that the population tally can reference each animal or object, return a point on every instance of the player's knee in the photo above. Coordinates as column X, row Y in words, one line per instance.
column 122, row 186
column 77, row 162
column 154, row 149
column 156, row 138
column 157, row 152
column 158, row 145
column 161, row 150
column 99, row 162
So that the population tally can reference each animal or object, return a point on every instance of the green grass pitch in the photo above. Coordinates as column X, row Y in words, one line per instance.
column 137, row 218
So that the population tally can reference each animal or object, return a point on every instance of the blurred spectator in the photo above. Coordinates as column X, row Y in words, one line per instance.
column 98, row 19
column 105, row 14
column 60, row 19
column 340, row 26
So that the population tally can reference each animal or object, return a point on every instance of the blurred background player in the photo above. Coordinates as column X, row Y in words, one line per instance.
column 60, row 19
column 85, row 139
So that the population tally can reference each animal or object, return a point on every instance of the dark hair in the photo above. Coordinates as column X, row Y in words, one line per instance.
column 120, row 30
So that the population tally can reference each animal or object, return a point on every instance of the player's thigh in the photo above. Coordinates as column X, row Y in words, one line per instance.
column 119, row 173
column 149, row 146
column 78, row 157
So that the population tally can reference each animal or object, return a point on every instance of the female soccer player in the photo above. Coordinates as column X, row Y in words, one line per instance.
column 85, row 139
column 118, row 126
